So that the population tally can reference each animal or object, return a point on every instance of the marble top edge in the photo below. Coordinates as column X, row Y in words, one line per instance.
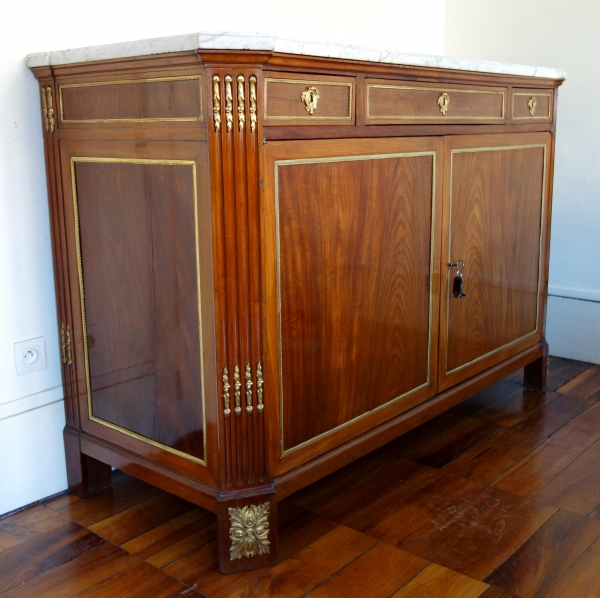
column 265, row 42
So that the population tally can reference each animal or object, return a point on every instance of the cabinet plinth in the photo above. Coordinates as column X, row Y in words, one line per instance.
column 256, row 258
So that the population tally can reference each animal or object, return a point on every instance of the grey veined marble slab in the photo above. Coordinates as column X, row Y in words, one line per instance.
column 259, row 41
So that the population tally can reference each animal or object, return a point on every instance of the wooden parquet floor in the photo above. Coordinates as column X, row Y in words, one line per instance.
column 499, row 497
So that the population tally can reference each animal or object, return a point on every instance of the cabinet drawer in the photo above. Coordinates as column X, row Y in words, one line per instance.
column 138, row 100
column 532, row 104
column 391, row 102
column 292, row 99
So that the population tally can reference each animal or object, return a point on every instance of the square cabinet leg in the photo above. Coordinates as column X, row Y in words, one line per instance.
column 247, row 532
column 85, row 475
column 536, row 372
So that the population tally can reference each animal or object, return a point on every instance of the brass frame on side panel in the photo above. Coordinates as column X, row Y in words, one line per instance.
column 91, row 415
column 436, row 89
column 198, row 118
column 544, row 146
column 528, row 95
column 309, row 82
column 277, row 165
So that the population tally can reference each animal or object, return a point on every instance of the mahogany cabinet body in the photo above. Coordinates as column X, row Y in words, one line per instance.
column 256, row 257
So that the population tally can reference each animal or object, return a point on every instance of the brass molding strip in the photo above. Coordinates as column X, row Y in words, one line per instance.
column 277, row 165
column 439, row 90
column 241, row 104
column 216, row 103
column 237, row 385
column 226, row 387
column 539, row 286
column 50, row 108
column 259, row 387
column 131, row 82
column 92, row 417
column 253, row 116
column 308, row 116
column 248, row 376
column 45, row 109
column 228, row 103
column 537, row 95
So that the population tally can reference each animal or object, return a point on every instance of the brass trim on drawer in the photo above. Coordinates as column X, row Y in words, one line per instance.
column 309, row 82
column 131, row 82
column 440, row 90
column 529, row 95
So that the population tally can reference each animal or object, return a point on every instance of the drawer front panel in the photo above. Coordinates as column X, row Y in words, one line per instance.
column 296, row 100
column 397, row 103
column 169, row 99
column 532, row 104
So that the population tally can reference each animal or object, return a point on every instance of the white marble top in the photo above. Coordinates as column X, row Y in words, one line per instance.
column 258, row 41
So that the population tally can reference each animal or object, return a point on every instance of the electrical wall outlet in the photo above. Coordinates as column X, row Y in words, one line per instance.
column 30, row 356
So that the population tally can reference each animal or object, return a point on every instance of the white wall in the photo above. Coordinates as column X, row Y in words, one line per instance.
column 561, row 34
column 31, row 410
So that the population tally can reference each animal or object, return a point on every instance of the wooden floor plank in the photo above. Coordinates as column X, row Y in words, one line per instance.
column 361, row 506
column 582, row 431
column 577, row 487
column 76, row 575
column 27, row 524
column 537, row 469
column 143, row 517
column 453, row 442
column 582, row 580
column 477, row 539
column 377, row 573
column 123, row 495
column 342, row 480
column 501, row 451
column 422, row 512
column 424, row 433
column 584, row 385
column 505, row 401
column 138, row 581
column 200, row 568
column 45, row 552
column 440, row 581
column 541, row 561
column 299, row 574
column 561, row 371
column 166, row 543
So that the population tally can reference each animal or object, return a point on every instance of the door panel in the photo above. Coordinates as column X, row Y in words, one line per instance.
column 495, row 206
column 139, row 232
column 355, row 241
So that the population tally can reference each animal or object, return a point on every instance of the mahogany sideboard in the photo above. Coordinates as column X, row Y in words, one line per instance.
column 269, row 264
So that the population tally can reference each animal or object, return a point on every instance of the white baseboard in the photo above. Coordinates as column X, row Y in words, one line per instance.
column 573, row 328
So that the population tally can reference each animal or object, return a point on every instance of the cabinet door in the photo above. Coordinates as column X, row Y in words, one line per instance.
column 350, row 267
column 138, row 230
column 495, row 221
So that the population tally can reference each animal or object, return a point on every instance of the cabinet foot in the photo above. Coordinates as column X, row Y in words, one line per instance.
column 536, row 372
column 85, row 475
column 247, row 532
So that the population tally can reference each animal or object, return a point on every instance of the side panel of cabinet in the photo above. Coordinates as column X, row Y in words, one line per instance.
column 350, row 258
column 138, row 227
column 496, row 221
